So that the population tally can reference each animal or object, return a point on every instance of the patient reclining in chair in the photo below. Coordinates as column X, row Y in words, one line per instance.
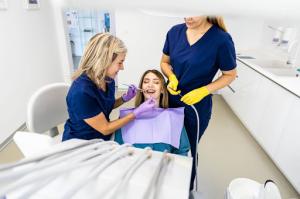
column 163, row 128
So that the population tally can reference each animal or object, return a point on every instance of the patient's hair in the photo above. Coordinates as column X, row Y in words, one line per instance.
column 164, row 99
column 101, row 50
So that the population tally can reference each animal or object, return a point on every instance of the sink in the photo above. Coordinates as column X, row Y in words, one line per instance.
column 276, row 66
column 269, row 63
column 286, row 72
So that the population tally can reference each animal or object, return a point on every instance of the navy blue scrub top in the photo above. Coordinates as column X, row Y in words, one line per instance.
column 196, row 65
column 85, row 100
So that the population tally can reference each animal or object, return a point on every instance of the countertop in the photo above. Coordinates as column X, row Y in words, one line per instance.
column 292, row 84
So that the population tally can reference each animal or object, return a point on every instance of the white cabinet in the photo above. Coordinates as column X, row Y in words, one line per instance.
column 248, row 96
column 287, row 154
column 275, row 111
column 271, row 114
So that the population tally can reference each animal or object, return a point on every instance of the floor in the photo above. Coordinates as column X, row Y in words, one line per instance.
column 227, row 151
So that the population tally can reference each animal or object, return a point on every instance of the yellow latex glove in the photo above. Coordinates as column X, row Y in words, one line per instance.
column 195, row 95
column 172, row 86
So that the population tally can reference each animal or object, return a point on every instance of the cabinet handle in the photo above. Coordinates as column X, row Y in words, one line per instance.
column 231, row 88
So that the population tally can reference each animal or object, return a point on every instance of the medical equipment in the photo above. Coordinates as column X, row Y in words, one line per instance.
column 194, row 193
column 96, row 169
column 139, row 89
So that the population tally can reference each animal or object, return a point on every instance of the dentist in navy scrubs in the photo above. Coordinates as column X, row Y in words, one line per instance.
column 192, row 54
column 91, row 97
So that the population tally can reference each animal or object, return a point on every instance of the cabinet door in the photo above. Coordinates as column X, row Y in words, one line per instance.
column 273, row 116
column 249, row 96
column 287, row 154
column 232, row 93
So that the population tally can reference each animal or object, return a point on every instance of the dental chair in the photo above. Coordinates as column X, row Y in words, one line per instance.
column 46, row 110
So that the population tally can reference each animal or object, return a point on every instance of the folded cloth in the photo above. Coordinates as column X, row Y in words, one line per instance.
column 157, row 126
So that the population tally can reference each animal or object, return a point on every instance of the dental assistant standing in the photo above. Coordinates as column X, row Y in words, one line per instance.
column 193, row 52
column 91, row 97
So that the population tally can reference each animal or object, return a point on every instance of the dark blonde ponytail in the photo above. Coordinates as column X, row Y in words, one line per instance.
column 218, row 21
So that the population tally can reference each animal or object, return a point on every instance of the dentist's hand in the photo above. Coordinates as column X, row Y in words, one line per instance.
column 131, row 93
column 172, row 86
column 195, row 95
column 144, row 107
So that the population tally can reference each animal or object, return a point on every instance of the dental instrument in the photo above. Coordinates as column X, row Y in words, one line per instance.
column 48, row 154
column 194, row 192
column 152, row 188
column 59, row 169
column 125, row 177
column 161, row 176
column 139, row 89
column 48, row 163
column 116, row 155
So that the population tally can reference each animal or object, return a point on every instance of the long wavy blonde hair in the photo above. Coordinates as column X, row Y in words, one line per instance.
column 101, row 50
column 218, row 21
column 164, row 98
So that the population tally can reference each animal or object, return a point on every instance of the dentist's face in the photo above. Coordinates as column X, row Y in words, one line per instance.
column 152, row 86
column 116, row 66
column 194, row 22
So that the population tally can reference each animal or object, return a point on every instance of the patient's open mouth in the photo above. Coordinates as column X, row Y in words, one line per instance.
column 150, row 91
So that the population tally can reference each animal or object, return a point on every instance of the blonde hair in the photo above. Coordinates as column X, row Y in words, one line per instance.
column 101, row 50
column 218, row 21
column 164, row 98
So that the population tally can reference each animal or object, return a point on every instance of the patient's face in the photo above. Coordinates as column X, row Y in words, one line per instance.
column 152, row 86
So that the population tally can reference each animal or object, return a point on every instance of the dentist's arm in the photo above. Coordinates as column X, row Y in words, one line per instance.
column 119, row 101
column 100, row 123
column 166, row 68
column 165, row 65
column 198, row 94
column 224, row 80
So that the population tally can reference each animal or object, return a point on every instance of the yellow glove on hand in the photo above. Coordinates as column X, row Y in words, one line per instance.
column 172, row 86
column 195, row 95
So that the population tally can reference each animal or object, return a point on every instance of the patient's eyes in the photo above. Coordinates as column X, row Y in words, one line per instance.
column 148, row 81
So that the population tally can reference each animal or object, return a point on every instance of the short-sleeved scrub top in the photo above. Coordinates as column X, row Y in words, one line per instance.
column 196, row 65
column 85, row 100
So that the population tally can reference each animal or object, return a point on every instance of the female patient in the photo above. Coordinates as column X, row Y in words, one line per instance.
column 153, row 86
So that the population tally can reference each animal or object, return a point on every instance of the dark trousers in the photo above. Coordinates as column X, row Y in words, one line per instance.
column 204, row 108
column 190, row 123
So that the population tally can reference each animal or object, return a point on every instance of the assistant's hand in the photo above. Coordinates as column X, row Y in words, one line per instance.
column 131, row 93
column 144, row 107
column 172, row 86
column 195, row 95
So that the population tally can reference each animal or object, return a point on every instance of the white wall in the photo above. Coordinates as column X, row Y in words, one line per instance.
column 245, row 31
column 144, row 36
column 29, row 59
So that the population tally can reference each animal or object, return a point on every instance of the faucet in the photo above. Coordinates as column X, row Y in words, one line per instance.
column 292, row 51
